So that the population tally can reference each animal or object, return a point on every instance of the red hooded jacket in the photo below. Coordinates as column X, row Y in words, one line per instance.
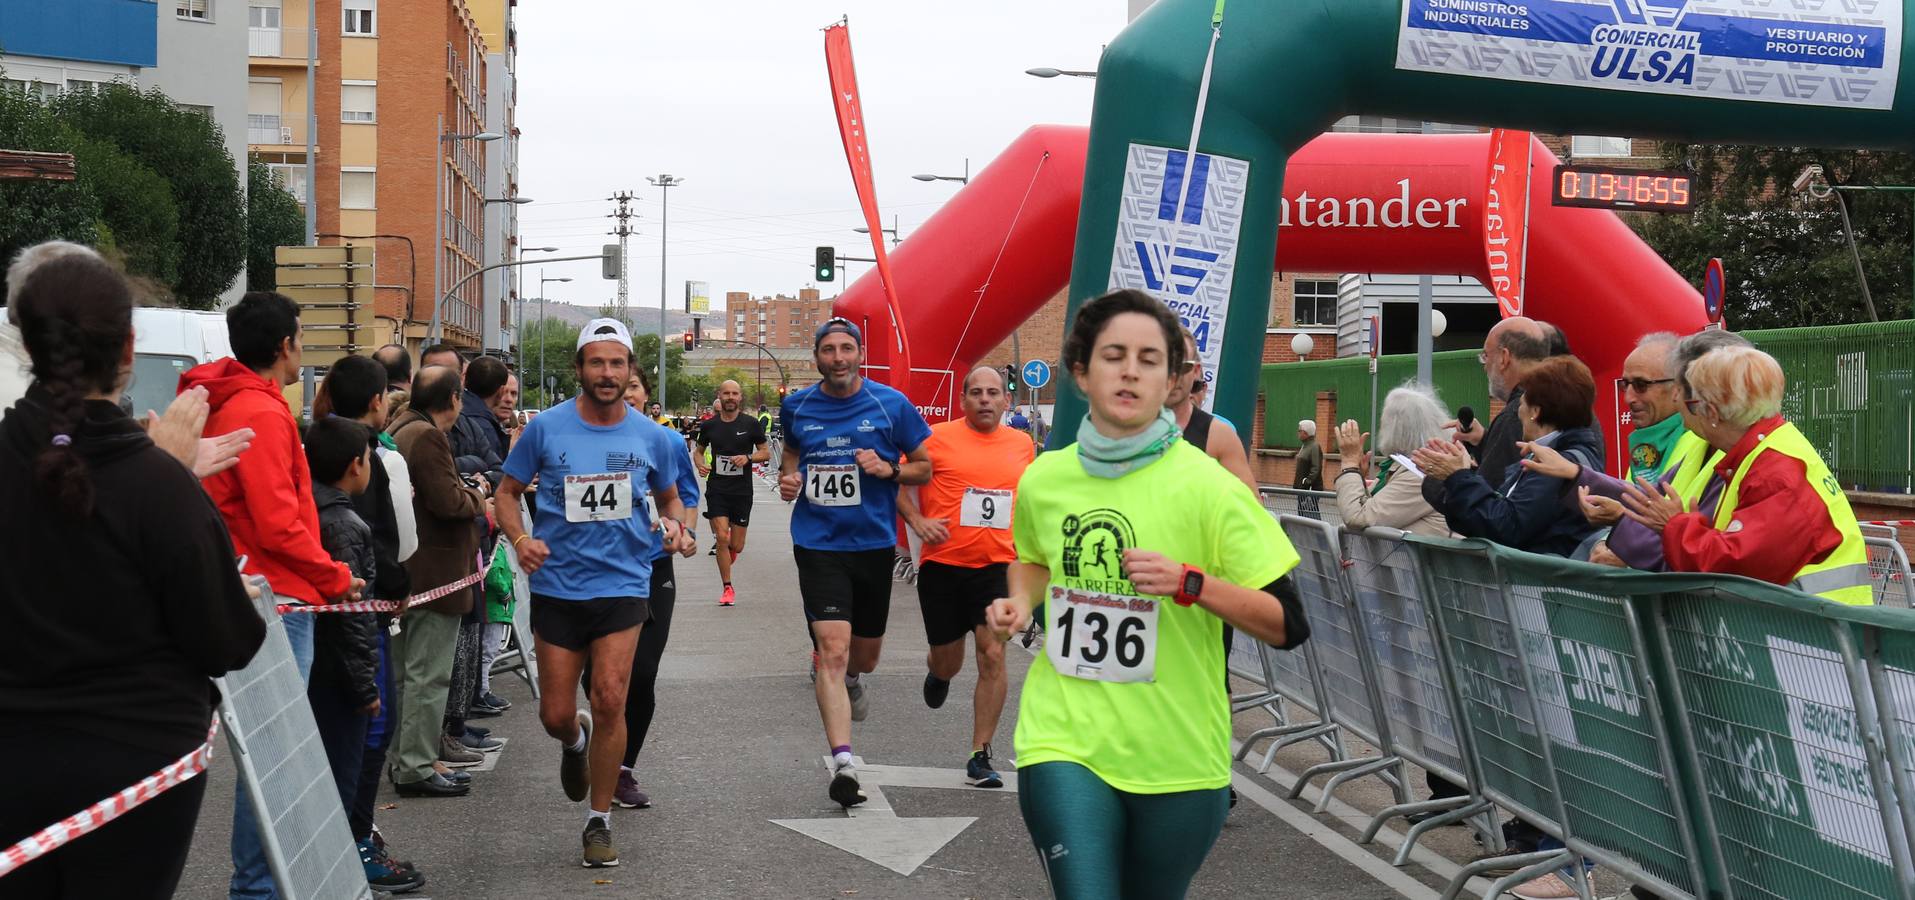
column 267, row 499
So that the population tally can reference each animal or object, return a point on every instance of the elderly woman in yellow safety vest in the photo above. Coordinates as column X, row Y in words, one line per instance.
column 1768, row 508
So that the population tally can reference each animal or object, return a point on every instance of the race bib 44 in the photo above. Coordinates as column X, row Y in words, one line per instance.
column 1101, row 637
column 605, row 497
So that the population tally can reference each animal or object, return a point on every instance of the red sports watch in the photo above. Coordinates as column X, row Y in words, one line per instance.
column 1190, row 588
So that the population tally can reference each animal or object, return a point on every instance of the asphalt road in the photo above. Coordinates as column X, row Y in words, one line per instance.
column 737, row 745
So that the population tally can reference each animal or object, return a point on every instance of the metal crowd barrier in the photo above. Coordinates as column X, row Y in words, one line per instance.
column 1283, row 501
column 1888, row 570
column 1702, row 736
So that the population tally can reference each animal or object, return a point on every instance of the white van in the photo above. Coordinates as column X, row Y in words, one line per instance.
column 167, row 342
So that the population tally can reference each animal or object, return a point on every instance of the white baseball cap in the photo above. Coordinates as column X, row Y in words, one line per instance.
column 605, row 330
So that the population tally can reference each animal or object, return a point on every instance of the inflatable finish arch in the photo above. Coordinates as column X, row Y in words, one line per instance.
column 1377, row 203
column 1285, row 69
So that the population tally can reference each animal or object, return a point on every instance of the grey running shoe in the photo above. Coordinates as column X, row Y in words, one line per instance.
column 599, row 853
column 627, row 793
column 844, row 786
column 457, row 755
column 575, row 777
column 860, row 704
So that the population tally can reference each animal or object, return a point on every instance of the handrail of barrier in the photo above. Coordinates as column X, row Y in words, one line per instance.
column 1345, row 665
column 1888, row 571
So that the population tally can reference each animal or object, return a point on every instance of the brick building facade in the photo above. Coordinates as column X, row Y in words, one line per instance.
column 779, row 322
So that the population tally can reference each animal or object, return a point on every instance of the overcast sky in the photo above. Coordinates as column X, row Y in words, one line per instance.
column 733, row 98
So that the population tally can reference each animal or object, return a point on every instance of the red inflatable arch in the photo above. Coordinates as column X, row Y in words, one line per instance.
column 1374, row 203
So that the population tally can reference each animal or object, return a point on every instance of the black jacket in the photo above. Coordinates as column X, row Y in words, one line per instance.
column 1528, row 511
column 114, row 622
column 478, row 443
column 346, row 645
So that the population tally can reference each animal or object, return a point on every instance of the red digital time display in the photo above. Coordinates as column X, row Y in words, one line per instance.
column 1606, row 187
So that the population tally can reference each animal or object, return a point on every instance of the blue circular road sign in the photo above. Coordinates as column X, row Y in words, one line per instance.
column 1037, row 373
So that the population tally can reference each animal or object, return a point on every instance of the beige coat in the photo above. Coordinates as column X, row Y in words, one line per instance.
column 1399, row 505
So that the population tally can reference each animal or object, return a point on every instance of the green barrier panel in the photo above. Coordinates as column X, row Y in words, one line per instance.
column 1765, row 692
column 1891, row 654
column 1290, row 389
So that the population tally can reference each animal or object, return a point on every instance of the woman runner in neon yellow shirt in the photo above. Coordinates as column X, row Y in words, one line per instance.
column 1138, row 547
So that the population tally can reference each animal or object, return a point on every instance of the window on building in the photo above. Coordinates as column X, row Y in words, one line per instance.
column 82, row 86
column 1316, row 302
column 361, row 16
column 262, row 113
column 13, row 85
column 200, row 108
column 1593, row 145
column 291, row 177
column 358, row 102
column 358, row 188
column 1393, row 125
column 201, row 10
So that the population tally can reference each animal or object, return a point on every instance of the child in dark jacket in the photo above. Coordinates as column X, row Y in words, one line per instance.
column 344, row 689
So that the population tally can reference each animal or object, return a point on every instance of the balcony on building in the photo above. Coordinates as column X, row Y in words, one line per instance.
column 274, row 46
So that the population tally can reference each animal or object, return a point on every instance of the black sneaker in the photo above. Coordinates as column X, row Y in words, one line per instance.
column 574, row 776
column 978, row 771
column 383, row 873
column 935, row 690
column 479, row 742
column 494, row 701
column 844, row 786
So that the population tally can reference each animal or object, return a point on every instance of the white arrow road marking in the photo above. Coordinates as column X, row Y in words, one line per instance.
column 874, row 831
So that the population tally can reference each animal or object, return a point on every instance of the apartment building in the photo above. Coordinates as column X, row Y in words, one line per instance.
column 777, row 321
column 190, row 49
column 392, row 78
column 498, row 26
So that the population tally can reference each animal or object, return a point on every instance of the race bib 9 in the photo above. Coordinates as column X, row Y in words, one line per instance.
column 831, row 485
column 725, row 466
column 985, row 509
column 1101, row 637
column 598, row 498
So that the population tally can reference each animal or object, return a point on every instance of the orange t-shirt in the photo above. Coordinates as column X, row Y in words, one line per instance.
column 985, row 467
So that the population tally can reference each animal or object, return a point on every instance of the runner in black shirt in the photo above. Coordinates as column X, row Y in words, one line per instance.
column 737, row 442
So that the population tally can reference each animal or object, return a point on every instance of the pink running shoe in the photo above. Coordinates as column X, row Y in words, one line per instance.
column 728, row 598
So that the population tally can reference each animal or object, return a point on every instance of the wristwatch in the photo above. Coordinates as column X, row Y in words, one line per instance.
column 894, row 469
column 1190, row 588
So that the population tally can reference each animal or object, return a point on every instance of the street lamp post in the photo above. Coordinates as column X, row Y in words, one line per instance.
column 518, row 314
column 1048, row 72
column 543, row 281
column 961, row 179
column 1814, row 181
column 438, row 212
column 892, row 231
column 664, row 183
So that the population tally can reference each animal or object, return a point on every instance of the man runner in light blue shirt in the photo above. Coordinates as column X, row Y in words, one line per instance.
column 843, row 439
column 591, row 563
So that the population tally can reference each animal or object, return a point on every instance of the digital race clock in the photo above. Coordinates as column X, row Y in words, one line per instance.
column 1607, row 187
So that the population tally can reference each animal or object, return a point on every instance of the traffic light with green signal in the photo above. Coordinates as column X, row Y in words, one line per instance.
column 826, row 264
column 1010, row 379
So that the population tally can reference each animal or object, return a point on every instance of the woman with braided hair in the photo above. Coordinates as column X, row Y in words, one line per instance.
column 119, row 593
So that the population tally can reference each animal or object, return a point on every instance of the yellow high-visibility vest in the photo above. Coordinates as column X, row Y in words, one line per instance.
column 1843, row 576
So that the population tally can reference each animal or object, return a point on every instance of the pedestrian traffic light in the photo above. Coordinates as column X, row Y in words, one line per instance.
column 691, row 341
column 1010, row 379
column 827, row 263
column 782, row 389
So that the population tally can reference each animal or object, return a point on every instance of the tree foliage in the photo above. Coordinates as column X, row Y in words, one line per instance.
column 273, row 220
column 138, row 220
column 1785, row 254
column 36, row 211
column 188, row 149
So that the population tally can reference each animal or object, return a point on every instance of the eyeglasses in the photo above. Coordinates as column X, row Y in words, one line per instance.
column 1694, row 405
column 1642, row 385
column 1189, row 364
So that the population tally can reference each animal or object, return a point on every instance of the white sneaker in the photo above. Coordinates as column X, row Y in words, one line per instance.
column 1548, row 887
column 860, row 704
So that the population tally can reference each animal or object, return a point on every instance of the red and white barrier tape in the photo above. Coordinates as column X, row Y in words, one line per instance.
column 365, row 606
column 1894, row 523
column 52, row 837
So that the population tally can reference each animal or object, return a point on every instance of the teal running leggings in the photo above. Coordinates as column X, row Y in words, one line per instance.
column 1100, row 843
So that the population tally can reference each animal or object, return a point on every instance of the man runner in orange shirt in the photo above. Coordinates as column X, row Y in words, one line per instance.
column 963, row 516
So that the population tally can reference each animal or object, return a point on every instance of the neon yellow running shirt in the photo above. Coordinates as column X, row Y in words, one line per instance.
column 1170, row 733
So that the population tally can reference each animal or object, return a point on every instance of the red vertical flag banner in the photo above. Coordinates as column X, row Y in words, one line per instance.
column 1506, row 217
column 851, row 126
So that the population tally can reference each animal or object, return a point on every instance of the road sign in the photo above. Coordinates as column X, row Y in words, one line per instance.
column 1713, row 288
column 1037, row 373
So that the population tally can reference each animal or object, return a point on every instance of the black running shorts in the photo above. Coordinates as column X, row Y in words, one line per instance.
column 847, row 586
column 954, row 598
column 575, row 624
column 733, row 507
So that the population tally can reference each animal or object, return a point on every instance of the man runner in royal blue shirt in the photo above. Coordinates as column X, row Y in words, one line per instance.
column 843, row 439
column 591, row 564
